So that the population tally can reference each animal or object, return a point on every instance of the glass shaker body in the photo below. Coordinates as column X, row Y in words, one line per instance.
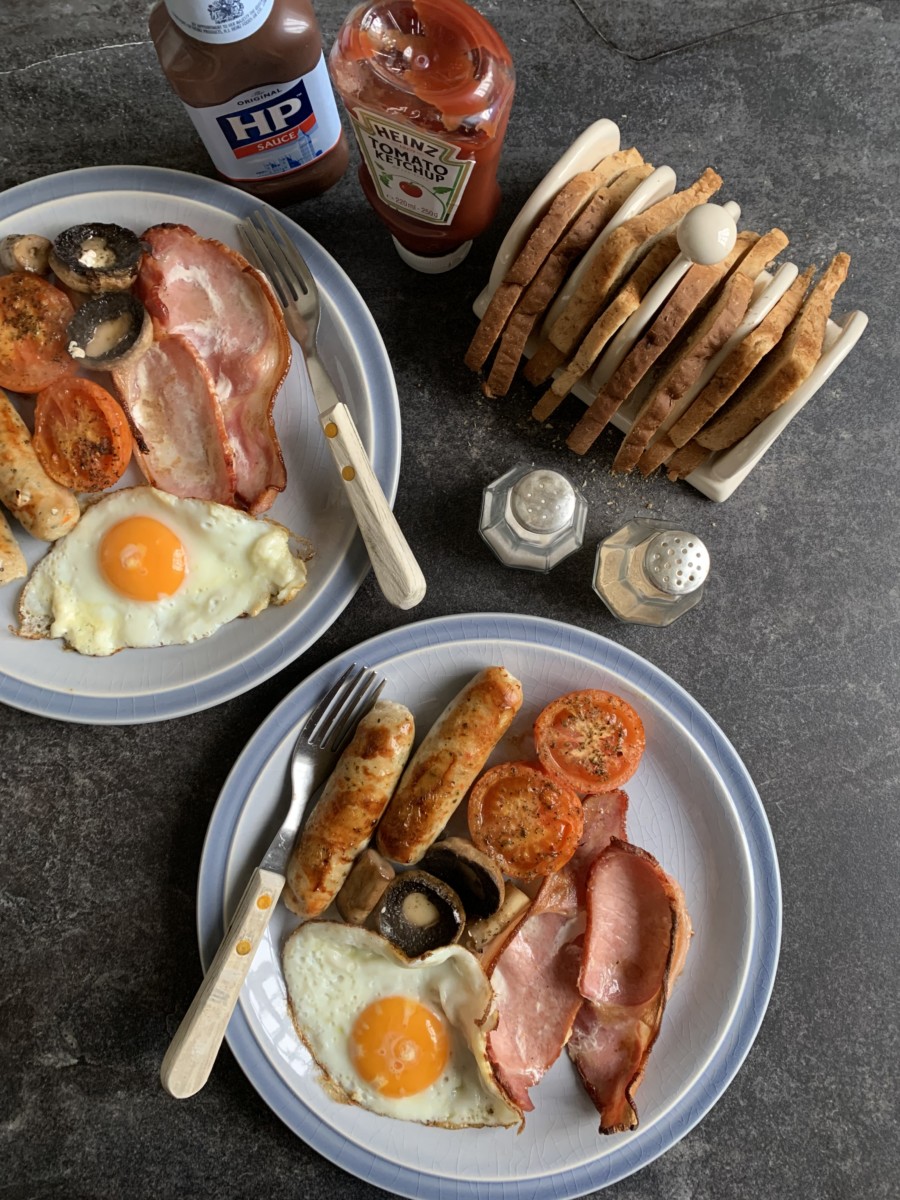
column 532, row 518
column 428, row 85
column 648, row 573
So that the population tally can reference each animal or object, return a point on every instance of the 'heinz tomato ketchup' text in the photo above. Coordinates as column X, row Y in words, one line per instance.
column 421, row 175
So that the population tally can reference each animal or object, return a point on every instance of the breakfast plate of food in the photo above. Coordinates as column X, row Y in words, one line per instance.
column 125, row 296
column 659, row 854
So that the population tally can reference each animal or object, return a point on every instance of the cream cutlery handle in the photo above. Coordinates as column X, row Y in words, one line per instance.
column 395, row 567
column 196, row 1043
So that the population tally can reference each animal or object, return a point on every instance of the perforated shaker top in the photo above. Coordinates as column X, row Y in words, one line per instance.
column 543, row 501
column 676, row 562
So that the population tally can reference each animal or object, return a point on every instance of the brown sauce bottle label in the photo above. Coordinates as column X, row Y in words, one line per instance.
column 272, row 129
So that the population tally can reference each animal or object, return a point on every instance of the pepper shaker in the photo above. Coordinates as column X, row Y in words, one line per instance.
column 648, row 573
column 532, row 518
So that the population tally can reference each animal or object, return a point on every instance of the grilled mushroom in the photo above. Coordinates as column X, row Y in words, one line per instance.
column 96, row 258
column 474, row 876
column 109, row 331
column 418, row 913
column 25, row 252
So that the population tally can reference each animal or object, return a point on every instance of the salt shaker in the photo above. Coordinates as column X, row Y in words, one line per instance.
column 648, row 573
column 532, row 518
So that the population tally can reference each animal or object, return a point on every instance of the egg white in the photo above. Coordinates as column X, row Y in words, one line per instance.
column 333, row 972
column 236, row 565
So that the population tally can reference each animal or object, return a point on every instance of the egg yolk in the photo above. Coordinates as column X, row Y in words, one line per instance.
column 142, row 559
column 399, row 1046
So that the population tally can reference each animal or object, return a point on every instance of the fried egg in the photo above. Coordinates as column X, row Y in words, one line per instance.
column 401, row 1037
column 143, row 568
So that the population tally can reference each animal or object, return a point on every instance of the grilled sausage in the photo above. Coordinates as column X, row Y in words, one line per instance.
column 12, row 561
column 45, row 509
column 443, row 768
column 350, row 806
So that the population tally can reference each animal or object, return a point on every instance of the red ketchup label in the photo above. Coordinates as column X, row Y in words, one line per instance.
column 413, row 172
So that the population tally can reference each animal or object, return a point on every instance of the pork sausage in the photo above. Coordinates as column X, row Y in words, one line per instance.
column 351, row 804
column 45, row 509
column 443, row 768
column 12, row 561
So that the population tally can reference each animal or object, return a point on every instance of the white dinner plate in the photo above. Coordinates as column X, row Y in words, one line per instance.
column 692, row 805
column 150, row 685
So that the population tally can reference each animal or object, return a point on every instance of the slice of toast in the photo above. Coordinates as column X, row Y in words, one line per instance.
column 625, row 302
column 707, row 339
column 546, row 359
column 564, row 208
column 540, row 292
column 619, row 254
column 697, row 285
column 703, row 343
column 783, row 369
column 570, row 201
column 729, row 376
column 686, row 460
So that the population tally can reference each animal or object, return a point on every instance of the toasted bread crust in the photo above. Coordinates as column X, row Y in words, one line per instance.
column 730, row 375
column 784, row 369
column 685, row 460
column 546, row 283
column 564, row 208
column 698, row 284
column 620, row 253
column 709, row 337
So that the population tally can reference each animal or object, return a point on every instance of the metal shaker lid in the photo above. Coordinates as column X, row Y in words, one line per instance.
column 543, row 501
column 677, row 562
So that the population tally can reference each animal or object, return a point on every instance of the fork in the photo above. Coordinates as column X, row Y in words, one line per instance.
column 398, row 574
column 192, row 1052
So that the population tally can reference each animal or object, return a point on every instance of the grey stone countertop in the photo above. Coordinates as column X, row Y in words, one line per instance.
column 794, row 650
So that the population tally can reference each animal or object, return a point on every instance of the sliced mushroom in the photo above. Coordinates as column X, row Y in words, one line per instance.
column 25, row 252
column 474, row 876
column 97, row 257
column 363, row 887
column 110, row 331
column 418, row 913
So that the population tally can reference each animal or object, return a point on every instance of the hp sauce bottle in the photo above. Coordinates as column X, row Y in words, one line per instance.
column 253, row 79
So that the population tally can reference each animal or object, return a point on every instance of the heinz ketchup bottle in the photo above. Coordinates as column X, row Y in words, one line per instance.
column 428, row 85
column 252, row 76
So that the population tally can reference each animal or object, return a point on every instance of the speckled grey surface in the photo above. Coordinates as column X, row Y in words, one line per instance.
column 794, row 650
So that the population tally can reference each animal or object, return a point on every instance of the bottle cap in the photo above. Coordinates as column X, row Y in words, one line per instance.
column 430, row 264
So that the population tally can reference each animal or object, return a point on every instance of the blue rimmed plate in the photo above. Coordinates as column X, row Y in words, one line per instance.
column 693, row 805
column 150, row 685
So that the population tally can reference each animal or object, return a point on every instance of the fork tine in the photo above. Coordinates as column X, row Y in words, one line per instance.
column 332, row 722
column 354, row 713
column 289, row 253
column 322, row 714
column 259, row 248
